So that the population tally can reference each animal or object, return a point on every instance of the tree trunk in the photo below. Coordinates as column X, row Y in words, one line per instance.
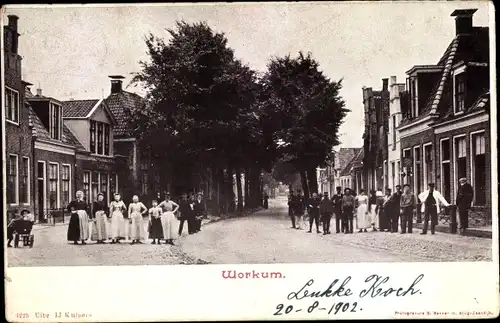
column 247, row 188
column 230, row 189
column 305, row 187
column 239, row 189
column 312, row 180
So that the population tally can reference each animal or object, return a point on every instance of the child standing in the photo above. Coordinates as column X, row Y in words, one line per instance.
column 155, row 229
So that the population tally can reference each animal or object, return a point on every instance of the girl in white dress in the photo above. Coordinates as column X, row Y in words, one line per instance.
column 135, row 211
column 363, row 217
column 116, row 208
column 168, row 219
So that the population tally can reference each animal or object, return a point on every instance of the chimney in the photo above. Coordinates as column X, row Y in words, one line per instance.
column 385, row 83
column 116, row 83
column 394, row 80
column 463, row 20
column 13, row 28
column 38, row 92
column 13, row 22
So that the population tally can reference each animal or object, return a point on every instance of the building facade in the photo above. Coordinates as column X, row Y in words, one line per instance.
column 17, row 125
column 396, row 98
column 445, row 131
column 376, row 108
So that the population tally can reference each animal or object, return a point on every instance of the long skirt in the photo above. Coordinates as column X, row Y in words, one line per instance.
column 117, row 225
column 78, row 228
column 363, row 217
column 136, row 227
column 156, row 229
column 374, row 216
column 384, row 218
column 168, row 224
column 101, row 227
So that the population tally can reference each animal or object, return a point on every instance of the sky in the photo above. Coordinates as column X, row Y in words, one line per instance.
column 69, row 51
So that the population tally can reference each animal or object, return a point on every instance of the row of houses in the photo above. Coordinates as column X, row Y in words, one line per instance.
column 54, row 148
column 433, row 128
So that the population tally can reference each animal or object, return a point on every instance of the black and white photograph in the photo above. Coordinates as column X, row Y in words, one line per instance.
column 252, row 133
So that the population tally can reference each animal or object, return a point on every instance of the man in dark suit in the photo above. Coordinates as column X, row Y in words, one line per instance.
column 199, row 211
column 465, row 195
column 291, row 207
column 313, row 212
column 186, row 214
column 337, row 205
column 394, row 210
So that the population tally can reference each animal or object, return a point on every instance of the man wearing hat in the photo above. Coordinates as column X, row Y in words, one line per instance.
column 431, row 202
column 186, row 214
column 465, row 196
column 313, row 211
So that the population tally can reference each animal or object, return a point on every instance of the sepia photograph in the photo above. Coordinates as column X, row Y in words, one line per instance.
column 253, row 133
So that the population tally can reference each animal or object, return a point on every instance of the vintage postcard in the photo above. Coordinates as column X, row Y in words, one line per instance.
column 250, row 161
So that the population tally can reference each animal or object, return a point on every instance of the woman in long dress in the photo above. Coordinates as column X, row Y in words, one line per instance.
column 168, row 220
column 372, row 208
column 135, row 211
column 99, row 216
column 116, row 208
column 155, row 228
column 363, row 217
column 78, row 228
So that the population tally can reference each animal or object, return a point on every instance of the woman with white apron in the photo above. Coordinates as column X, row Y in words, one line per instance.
column 168, row 219
column 363, row 217
column 100, row 231
column 135, row 211
column 78, row 228
column 116, row 208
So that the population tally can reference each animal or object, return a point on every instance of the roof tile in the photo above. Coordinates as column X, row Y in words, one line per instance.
column 78, row 108
column 120, row 105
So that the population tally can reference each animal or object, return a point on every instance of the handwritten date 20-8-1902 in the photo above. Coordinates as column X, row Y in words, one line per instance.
column 334, row 309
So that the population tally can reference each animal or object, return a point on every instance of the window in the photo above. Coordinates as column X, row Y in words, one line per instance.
column 113, row 188
column 86, row 185
column 478, row 159
column 398, row 170
column 12, row 180
column 459, row 92
column 100, row 138
column 414, row 97
column 393, row 174
column 427, row 165
column 445, row 169
column 25, row 181
column 418, row 170
column 94, row 186
column 104, row 185
column 65, row 184
column 55, row 121
column 11, row 105
column 53, row 185
column 100, row 148
column 92, row 136
column 394, row 132
column 106, row 139
column 460, row 158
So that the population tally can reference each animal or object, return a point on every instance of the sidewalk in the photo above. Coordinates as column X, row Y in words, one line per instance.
column 480, row 232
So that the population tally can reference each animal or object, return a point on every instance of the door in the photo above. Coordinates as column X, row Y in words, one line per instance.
column 41, row 191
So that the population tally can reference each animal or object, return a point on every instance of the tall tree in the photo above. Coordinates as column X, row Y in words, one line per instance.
column 305, row 110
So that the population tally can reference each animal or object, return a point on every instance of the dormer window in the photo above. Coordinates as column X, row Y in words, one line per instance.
column 414, row 97
column 459, row 104
column 55, row 125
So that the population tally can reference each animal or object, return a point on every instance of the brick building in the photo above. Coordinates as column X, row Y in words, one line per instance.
column 445, row 132
column 134, row 165
column 376, row 107
column 17, row 125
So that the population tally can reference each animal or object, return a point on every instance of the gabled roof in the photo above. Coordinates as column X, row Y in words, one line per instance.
column 344, row 156
column 78, row 108
column 355, row 162
column 41, row 132
column 121, row 104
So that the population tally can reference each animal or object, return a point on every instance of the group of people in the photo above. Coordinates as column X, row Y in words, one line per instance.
column 163, row 221
column 378, row 211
